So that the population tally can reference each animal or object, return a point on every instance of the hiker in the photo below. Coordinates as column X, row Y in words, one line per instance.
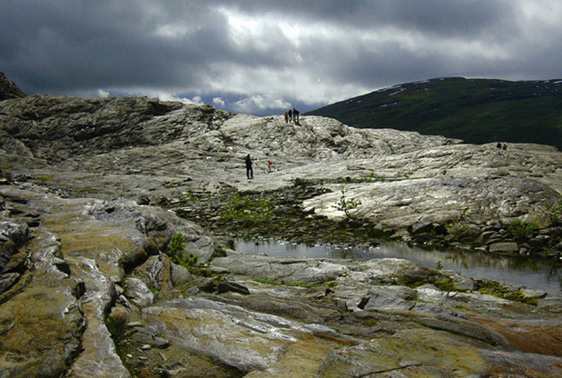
column 286, row 117
column 249, row 169
column 269, row 166
column 296, row 116
column 291, row 115
column 499, row 146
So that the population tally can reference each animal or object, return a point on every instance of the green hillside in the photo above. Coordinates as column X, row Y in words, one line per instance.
column 475, row 110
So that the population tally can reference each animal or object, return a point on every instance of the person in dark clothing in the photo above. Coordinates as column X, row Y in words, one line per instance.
column 296, row 116
column 290, row 115
column 249, row 169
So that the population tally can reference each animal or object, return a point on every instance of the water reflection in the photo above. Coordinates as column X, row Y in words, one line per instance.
column 536, row 274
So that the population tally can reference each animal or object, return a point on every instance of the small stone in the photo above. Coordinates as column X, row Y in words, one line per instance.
column 504, row 247
column 308, row 210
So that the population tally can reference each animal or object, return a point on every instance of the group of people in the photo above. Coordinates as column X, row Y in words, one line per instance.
column 292, row 116
column 500, row 147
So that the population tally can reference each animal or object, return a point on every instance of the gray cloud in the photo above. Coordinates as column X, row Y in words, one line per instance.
column 261, row 56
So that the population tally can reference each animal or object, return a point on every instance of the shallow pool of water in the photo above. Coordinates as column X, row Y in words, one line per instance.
column 536, row 274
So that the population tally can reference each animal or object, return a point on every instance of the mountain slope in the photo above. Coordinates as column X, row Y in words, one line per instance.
column 475, row 110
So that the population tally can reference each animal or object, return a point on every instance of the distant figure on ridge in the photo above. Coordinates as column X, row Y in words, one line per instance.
column 291, row 115
column 296, row 115
column 286, row 117
column 249, row 169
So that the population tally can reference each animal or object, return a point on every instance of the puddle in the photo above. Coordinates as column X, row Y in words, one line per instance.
column 532, row 273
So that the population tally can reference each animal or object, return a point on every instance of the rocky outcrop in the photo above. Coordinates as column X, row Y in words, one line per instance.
column 59, row 127
column 177, row 155
column 141, row 146
column 90, row 285
column 54, row 312
column 100, row 297
column 8, row 89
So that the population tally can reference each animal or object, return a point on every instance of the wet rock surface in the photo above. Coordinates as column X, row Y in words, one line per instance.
column 95, row 190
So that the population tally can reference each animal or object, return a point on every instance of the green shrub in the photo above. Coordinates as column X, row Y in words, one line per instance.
column 347, row 204
column 176, row 253
column 176, row 246
column 554, row 214
column 522, row 230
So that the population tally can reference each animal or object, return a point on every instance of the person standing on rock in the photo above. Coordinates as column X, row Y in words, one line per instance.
column 249, row 169
column 291, row 115
column 286, row 117
column 296, row 116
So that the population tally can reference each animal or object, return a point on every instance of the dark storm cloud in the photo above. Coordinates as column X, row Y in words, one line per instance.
column 64, row 45
column 258, row 55
column 453, row 17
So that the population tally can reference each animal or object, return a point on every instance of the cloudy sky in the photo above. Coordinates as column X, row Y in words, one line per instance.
column 263, row 56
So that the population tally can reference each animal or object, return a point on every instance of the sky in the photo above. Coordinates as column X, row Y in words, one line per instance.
column 265, row 56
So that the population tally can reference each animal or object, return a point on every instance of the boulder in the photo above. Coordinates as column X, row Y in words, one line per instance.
column 137, row 292
column 420, row 227
column 226, row 286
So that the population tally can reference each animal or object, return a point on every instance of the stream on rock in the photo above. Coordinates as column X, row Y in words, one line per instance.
column 544, row 275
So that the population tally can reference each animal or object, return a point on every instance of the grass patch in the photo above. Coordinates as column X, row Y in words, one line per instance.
column 248, row 211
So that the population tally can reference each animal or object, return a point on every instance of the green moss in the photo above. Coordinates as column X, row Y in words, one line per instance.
column 45, row 178
column 267, row 281
column 496, row 289
column 446, row 285
column 305, row 284
column 462, row 308
column 371, row 323
column 153, row 290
